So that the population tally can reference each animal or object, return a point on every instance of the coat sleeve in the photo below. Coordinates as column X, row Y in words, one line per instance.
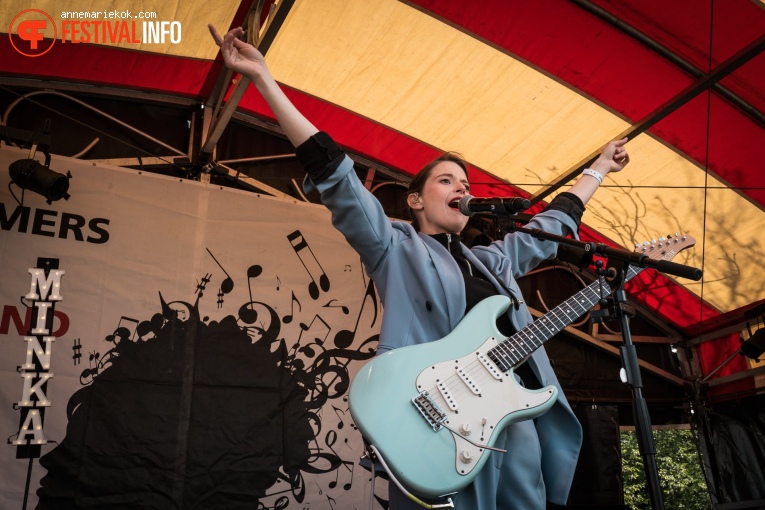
column 356, row 213
column 518, row 253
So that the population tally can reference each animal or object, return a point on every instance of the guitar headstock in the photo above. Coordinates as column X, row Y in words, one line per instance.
column 665, row 248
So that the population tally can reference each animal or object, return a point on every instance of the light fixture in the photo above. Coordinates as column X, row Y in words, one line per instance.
column 754, row 346
column 30, row 174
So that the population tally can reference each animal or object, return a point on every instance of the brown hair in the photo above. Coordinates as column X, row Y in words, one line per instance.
column 421, row 177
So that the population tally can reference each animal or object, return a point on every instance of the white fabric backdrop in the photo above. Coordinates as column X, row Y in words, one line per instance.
column 164, row 236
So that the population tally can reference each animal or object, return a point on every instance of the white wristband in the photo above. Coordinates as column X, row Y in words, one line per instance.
column 593, row 173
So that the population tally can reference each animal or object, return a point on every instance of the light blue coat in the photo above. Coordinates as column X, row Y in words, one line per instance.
column 423, row 295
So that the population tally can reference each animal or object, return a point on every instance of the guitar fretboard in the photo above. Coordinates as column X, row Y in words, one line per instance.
column 518, row 347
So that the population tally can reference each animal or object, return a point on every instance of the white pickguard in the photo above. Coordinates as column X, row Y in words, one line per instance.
column 499, row 400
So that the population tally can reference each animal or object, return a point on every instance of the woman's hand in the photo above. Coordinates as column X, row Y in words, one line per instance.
column 613, row 158
column 238, row 55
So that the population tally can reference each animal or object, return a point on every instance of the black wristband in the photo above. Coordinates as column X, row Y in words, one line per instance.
column 320, row 156
column 569, row 204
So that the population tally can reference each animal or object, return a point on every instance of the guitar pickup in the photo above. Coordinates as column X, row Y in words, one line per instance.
column 490, row 366
column 469, row 381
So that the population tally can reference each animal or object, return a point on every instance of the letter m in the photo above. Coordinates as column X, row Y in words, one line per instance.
column 49, row 288
column 7, row 223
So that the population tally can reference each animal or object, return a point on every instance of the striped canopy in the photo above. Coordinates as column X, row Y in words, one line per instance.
column 528, row 91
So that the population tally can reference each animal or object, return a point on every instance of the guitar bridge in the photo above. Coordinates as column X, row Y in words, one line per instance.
column 429, row 410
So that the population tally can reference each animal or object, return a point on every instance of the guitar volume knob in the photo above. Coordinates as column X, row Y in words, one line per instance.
column 465, row 429
column 466, row 457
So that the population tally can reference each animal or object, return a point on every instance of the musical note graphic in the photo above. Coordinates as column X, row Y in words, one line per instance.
column 247, row 312
column 353, row 425
column 280, row 504
column 87, row 375
column 288, row 318
column 330, row 439
column 76, row 347
column 123, row 332
column 337, row 412
column 299, row 246
column 228, row 284
column 346, row 486
column 347, row 268
column 341, row 307
column 319, row 342
column 202, row 286
column 249, row 315
column 253, row 272
column 152, row 326
column 344, row 338
column 318, row 368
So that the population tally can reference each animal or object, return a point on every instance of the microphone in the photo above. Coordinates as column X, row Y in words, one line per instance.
column 469, row 205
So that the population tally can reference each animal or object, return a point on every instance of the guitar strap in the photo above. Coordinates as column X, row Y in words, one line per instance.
column 515, row 300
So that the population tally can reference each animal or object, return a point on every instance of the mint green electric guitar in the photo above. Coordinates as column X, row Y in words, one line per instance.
column 433, row 411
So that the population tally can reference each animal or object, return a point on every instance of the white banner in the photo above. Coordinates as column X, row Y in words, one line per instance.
column 198, row 356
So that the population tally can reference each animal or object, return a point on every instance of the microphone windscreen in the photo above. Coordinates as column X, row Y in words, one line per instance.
column 463, row 205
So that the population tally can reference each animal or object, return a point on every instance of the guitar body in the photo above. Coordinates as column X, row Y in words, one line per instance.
column 433, row 410
column 466, row 391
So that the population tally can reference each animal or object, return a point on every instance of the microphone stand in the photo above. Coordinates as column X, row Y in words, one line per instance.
column 630, row 373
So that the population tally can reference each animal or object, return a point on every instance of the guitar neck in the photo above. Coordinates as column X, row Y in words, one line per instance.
column 521, row 345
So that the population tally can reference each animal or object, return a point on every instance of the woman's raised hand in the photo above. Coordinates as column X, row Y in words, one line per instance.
column 238, row 55
column 613, row 158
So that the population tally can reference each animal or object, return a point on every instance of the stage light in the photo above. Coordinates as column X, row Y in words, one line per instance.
column 754, row 346
column 30, row 174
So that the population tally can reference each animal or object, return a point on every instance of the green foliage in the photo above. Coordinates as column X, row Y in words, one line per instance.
column 682, row 481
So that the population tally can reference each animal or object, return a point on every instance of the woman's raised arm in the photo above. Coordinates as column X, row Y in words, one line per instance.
column 248, row 61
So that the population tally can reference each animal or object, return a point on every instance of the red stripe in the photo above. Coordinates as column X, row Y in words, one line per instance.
column 90, row 63
column 726, row 320
column 686, row 26
column 713, row 354
column 746, row 82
